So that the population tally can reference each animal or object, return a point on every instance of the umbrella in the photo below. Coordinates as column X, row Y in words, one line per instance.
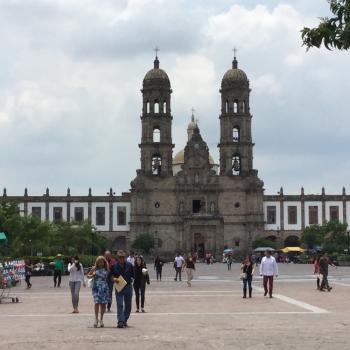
column 292, row 249
column 3, row 236
column 263, row 249
column 229, row 250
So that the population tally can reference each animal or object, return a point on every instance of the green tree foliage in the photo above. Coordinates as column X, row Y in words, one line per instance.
column 144, row 242
column 313, row 236
column 263, row 242
column 332, row 32
column 331, row 236
column 27, row 234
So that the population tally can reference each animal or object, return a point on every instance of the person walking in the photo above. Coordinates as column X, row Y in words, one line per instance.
column 323, row 269
column 111, row 262
column 28, row 269
column 124, row 269
column 58, row 270
column 268, row 269
column 141, row 279
column 317, row 271
column 100, row 288
column 178, row 263
column 158, row 266
column 190, row 267
column 76, row 279
column 247, row 268
column 131, row 258
column 229, row 262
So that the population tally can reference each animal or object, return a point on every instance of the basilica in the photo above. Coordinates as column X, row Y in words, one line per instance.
column 189, row 202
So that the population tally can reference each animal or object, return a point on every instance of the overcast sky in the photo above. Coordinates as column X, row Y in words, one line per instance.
column 71, row 74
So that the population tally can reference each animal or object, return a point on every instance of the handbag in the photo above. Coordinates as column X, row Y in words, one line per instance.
column 243, row 276
column 90, row 282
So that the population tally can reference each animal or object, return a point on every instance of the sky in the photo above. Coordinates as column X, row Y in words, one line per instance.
column 71, row 74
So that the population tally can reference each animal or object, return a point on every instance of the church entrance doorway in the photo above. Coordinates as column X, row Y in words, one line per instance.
column 199, row 246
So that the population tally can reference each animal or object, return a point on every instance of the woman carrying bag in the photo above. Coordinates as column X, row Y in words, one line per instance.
column 141, row 278
column 247, row 268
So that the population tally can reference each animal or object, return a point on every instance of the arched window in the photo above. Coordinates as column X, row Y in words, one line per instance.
column 156, row 164
column 235, row 106
column 236, row 165
column 235, row 134
column 148, row 107
column 156, row 106
column 226, row 106
column 243, row 106
column 156, row 134
column 164, row 107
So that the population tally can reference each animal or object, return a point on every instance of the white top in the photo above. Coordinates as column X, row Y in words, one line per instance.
column 131, row 260
column 268, row 266
column 74, row 274
column 179, row 261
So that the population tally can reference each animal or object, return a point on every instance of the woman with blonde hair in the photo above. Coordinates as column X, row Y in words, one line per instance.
column 100, row 289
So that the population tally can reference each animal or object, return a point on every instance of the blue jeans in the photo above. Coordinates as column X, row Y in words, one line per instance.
column 124, row 303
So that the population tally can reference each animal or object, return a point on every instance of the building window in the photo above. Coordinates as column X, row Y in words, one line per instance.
column 313, row 215
column 36, row 212
column 164, row 107
column 57, row 214
column 334, row 212
column 236, row 165
column 156, row 134
column 100, row 216
column 271, row 215
column 156, row 106
column 243, row 107
column 196, row 206
column 156, row 165
column 121, row 216
column 226, row 106
column 235, row 106
column 235, row 134
column 79, row 214
column 148, row 108
column 292, row 215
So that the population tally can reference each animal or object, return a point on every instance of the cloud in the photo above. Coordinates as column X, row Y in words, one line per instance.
column 71, row 74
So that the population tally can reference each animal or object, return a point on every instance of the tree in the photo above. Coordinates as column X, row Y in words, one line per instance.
column 144, row 242
column 335, row 239
column 313, row 236
column 331, row 32
column 263, row 242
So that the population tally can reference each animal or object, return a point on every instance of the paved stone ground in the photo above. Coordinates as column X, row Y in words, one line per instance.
column 210, row 315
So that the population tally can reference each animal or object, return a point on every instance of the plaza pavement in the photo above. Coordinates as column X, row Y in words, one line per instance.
column 210, row 315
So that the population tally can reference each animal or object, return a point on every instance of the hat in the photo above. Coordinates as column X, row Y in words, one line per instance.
column 121, row 253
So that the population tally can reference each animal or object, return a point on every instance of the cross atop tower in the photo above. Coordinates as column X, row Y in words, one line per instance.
column 156, row 49
column 234, row 62
column 192, row 116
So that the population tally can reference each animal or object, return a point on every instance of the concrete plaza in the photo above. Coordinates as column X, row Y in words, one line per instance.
column 209, row 315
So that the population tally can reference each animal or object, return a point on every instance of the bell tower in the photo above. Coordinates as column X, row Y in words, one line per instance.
column 156, row 140
column 236, row 147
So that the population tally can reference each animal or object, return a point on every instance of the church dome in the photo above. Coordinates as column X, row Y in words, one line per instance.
column 180, row 158
column 156, row 76
column 234, row 76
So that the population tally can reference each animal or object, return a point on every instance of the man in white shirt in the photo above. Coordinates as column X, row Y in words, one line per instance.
column 131, row 258
column 178, row 263
column 268, row 269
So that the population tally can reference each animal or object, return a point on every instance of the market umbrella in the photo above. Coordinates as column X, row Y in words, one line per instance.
column 229, row 250
column 263, row 249
column 3, row 236
column 292, row 250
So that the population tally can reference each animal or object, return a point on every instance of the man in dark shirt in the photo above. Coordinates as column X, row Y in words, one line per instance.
column 323, row 269
column 124, row 297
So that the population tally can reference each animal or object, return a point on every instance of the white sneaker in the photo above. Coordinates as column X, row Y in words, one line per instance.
column 95, row 323
column 101, row 324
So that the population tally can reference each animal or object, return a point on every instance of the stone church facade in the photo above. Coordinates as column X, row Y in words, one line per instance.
column 189, row 202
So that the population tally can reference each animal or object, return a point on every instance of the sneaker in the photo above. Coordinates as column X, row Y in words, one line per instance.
column 271, row 296
column 265, row 294
column 120, row 325
column 175, row 279
column 101, row 324
column 329, row 289
column 143, row 310
column 125, row 324
column 95, row 323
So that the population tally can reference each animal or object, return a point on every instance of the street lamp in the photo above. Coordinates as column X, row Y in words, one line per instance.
column 348, row 233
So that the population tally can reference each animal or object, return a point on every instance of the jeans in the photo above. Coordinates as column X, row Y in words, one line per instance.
column 324, row 283
column 140, row 290
column 124, row 299
column 27, row 277
column 229, row 266
column 270, row 280
column 159, row 273
column 178, row 273
column 75, row 289
column 247, row 281
column 57, row 275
